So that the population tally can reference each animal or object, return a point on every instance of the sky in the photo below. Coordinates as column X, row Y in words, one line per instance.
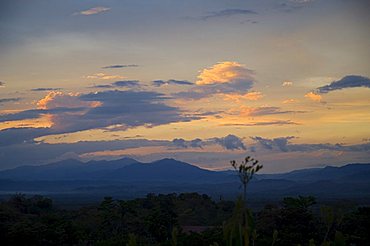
column 202, row 81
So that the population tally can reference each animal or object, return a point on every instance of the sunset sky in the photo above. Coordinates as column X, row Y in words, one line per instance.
column 202, row 81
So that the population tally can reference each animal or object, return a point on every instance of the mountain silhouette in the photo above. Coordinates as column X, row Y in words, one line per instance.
column 130, row 178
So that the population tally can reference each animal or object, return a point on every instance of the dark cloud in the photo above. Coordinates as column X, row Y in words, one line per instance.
column 266, row 123
column 120, row 66
column 12, row 136
column 179, row 142
column 198, row 92
column 283, row 144
column 121, row 83
column 36, row 113
column 131, row 108
column 227, row 13
column 159, row 83
column 292, row 5
column 230, row 142
column 195, row 143
column 108, row 108
column 102, row 86
column 350, row 81
column 126, row 83
column 6, row 100
column 46, row 89
column 279, row 143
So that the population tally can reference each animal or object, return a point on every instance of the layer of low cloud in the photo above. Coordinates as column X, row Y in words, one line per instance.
column 350, row 81
column 283, row 144
column 230, row 142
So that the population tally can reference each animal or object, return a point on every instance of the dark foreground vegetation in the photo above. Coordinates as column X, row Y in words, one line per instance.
column 184, row 219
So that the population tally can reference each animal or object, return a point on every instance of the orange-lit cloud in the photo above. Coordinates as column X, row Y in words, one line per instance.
column 224, row 72
column 313, row 96
column 103, row 76
column 55, row 99
column 287, row 101
column 287, row 83
column 251, row 96
column 45, row 120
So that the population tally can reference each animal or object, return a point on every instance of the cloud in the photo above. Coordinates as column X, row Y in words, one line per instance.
column 106, row 86
column 103, row 76
column 57, row 99
column 260, row 111
column 251, row 96
column 221, row 78
column 179, row 142
column 282, row 144
column 293, row 5
column 350, row 81
column 37, row 113
column 126, row 83
column 265, row 123
column 288, row 101
column 94, row 11
column 12, row 136
column 12, row 99
column 196, row 143
column 159, row 83
column 227, row 13
column 120, row 66
column 182, row 143
column 132, row 108
column 230, row 142
column 46, row 89
column 287, row 83
column 313, row 96
column 279, row 143
column 224, row 72
column 76, row 112
column 121, row 83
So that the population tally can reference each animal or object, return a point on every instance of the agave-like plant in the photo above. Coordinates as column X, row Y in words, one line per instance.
column 240, row 228
column 245, row 172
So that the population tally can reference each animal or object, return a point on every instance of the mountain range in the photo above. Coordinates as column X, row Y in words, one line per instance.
column 129, row 178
